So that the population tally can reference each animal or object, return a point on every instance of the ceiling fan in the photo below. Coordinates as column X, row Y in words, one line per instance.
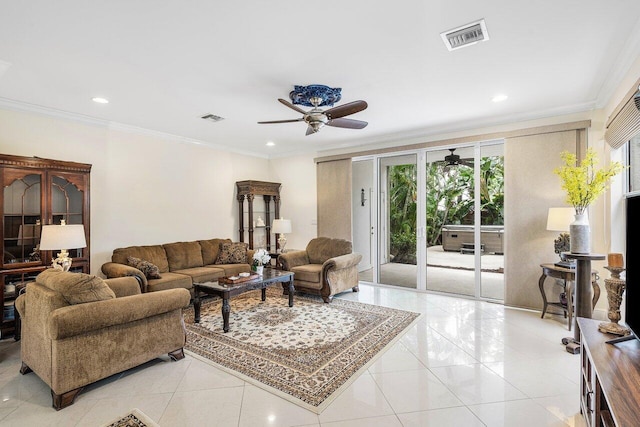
column 316, row 119
column 455, row 160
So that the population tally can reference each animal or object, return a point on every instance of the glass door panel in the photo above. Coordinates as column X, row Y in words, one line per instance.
column 450, row 221
column 22, row 218
column 492, row 221
column 398, row 194
column 67, row 204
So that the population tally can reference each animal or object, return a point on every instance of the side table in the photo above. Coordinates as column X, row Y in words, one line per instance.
column 568, row 276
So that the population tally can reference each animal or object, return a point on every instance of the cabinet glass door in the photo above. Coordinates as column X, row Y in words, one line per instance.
column 22, row 217
column 67, row 203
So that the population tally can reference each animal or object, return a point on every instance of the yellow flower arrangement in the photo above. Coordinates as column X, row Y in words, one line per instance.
column 583, row 183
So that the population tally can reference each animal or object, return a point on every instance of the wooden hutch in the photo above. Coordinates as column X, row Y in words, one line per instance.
column 247, row 190
column 37, row 192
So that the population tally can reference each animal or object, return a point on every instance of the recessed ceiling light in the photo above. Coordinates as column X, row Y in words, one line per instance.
column 100, row 100
column 270, row 144
column 499, row 98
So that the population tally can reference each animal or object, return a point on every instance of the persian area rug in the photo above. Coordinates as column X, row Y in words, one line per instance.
column 135, row 418
column 307, row 354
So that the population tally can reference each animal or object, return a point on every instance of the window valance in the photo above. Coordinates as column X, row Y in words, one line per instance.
column 625, row 120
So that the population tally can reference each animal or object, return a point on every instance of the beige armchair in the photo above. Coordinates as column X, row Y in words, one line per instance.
column 326, row 267
column 78, row 329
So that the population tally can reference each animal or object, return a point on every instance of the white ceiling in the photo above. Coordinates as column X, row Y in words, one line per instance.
column 163, row 64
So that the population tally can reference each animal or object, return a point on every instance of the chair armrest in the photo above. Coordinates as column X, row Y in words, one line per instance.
column 20, row 305
column 78, row 319
column 341, row 262
column 124, row 286
column 250, row 253
column 293, row 259
column 114, row 269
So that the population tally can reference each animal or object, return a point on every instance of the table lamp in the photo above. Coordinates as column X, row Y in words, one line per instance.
column 559, row 219
column 62, row 237
column 281, row 226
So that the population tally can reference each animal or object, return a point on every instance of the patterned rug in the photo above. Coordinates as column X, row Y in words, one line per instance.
column 135, row 418
column 307, row 354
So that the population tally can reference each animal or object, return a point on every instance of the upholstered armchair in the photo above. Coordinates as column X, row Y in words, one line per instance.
column 326, row 267
column 78, row 329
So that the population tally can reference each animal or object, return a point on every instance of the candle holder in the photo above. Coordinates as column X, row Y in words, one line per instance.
column 615, row 288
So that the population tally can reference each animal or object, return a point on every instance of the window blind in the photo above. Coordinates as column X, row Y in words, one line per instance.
column 625, row 122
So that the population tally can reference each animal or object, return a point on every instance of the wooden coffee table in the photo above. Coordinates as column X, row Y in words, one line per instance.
column 270, row 276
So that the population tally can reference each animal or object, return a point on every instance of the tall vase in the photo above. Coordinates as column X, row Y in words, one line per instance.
column 580, row 235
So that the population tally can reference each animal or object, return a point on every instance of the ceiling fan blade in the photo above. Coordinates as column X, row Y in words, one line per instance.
column 293, row 107
column 345, row 110
column 310, row 130
column 281, row 121
column 347, row 123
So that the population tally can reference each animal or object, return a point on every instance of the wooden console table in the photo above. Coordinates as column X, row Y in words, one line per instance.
column 568, row 275
column 610, row 378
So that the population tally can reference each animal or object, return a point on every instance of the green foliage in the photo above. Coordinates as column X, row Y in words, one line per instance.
column 450, row 200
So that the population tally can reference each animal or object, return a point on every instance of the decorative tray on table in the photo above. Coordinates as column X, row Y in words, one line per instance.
column 233, row 280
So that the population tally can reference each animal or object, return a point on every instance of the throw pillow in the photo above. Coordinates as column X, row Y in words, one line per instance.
column 232, row 253
column 76, row 288
column 151, row 271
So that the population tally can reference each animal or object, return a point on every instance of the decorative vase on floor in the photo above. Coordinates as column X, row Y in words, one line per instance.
column 580, row 235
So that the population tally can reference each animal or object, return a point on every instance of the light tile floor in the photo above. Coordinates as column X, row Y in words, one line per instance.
column 465, row 363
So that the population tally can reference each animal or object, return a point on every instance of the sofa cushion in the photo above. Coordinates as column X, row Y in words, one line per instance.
column 232, row 253
column 232, row 269
column 75, row 288
column 154, row 254
column 181, row 255
column 321, row 249
column 211, row 249
column 308, row 272
column 202, row 274
column 170, row 280
column 150, row 270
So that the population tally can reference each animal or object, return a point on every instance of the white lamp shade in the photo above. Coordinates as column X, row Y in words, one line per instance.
column 281, row 226
column 62, row 237
column 559, row 219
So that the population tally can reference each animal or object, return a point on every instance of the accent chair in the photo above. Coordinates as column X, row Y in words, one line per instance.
column 326, row 267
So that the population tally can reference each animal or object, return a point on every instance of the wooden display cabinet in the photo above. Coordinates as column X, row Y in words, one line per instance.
column 37, row 192
column 247, row 190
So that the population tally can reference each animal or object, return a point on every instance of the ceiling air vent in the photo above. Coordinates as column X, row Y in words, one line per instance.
column 466, row 35
column 212, row 117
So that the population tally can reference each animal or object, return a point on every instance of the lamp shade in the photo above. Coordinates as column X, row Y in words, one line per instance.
column 559, row 219
column 281, row 226
column 62, row 237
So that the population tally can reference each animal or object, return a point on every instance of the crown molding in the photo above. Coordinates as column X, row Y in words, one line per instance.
column 629, row 53
column 24, row 107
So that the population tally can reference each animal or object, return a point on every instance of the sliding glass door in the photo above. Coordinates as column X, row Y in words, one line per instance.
column 397, row 206
column 433, row 220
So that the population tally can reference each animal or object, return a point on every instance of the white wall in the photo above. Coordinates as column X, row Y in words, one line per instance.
column 362, row 178
column 299, row 204
column 144, row 189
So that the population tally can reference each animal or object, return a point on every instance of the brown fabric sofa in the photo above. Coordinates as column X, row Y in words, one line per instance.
column 78, row 329
column 326, row 267
column 181, row 264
